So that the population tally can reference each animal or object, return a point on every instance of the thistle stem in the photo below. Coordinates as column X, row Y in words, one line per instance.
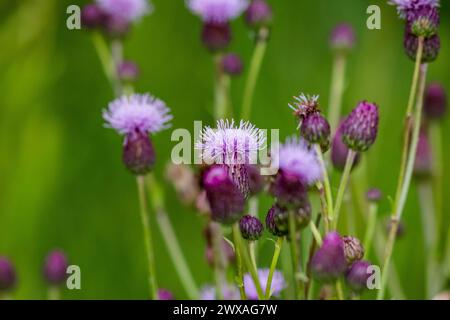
column 370, row 229
column 400, row 201
column 438, row 174
column 295, row 255
column 222, row 107
column 218, row 258
column 328, row 214
column 251, row 249
column 240, row 277
column 337, row 90
column 343, row 186
column 273, row 266
column 255, row 67
column 170, row 239
column 316, row 233
column 339, row 291
column 54, row 293
column 147, row 238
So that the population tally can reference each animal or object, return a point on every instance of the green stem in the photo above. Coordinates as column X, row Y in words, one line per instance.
column 54, row 293
column 219, row 259
column 343, row 186
column 328, row 215
column 370, row 228
column 240, row 276
column 273, row 266
column 222, row 107
column 255, row 67
column 251, row 249
column 295, row 255
column 339, row 291
column 147, row 238
column 170, row 239
column 438, row 174
column 316, row 233
column 337, row 90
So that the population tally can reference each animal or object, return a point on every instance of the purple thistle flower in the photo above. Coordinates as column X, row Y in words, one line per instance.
column 276, row 221
column 233, row 146
column 297, row 159
column 55, row 267
column 374, row 195
column 137, row 113
column 125, row 10
column 353, row 249
column 316, row 130
column 329, row 263
column 232, row 64
column 431, row 47
column 217, row 11
column 423, row 164
column 408, row 8
column 258, row 14
column 342, row 37
column 304, row 105
column 225, row 199
column 164, row 294
column 288, row 189
column 360, row 128
column 8, row 276
column 229, row 292
column 251, row 228
column 278, row 283
column 216, row 36
column 435, row 104
column 339, row 151
column 128, row 71
column 357, row 276
column 92, row 16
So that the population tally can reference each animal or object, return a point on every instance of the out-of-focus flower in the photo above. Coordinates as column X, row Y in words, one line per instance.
column 431, row 47
column 339, row 152
column 435, row 103
column 408, row 8
column 8, row 276
column 229, row 292
column 55, row 267
column 353, row 249
column 357, row 275
column 445, row 295
column 232, row 64
column 278, row 283
column 374, row 195
column 251, row 228
column 217, row 11
column 400, row 228
column 258, row 14
column 233, row 146
column 342, row 37
column 125, row 10
column 360, row 128
column 92, row 16
column 277, row 219
column 128, row 71
column 423, row 164
column 225, row 199
column 227, row 251
column 216, row 36
column 164, row 294
column 329, row 263
column 184, row 181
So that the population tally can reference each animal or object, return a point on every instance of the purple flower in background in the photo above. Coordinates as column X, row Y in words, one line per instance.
column 329, row 262
column 357, row 276
column 164, row 294
column 339, row 151
column 374, row 195
column 423, row 164
column 258, row 14
column 407, row 8
column 55, row 267
column 125, row 10
column 342, row 37
column 8, row 276
column 217, row 11
column 128, row 71
column 92, row 16
column 278, row 283
column 232, row 64
column 435, row 103
column 228, row 292
column 297, row 159
column 305, row 105
column 138, row 113
column 233, row 146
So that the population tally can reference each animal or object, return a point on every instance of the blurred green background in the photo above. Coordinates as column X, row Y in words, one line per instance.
column 62, row 183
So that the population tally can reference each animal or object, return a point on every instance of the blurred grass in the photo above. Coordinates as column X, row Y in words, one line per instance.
column 62, row 183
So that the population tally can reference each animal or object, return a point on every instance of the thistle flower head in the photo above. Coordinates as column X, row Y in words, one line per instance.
column 278, row 283
column 296, row 158
column 305, row 105
column 258, row 14
column 225, row 199
column 276, row 219
column 251, row 228
column 342, row 37
column 374, row 195
column 218, row 11
column 128, row 71
column 232, row 64
column 329, row 263
column 55, row 267
column 216, row 36
column 431, row 47
column 407, row 8
column 339, row 151
column 7, row 275
column 164, row 294
column 353, row 249
column 316, row 130
column 125, row 10
column 424, row 22
column 137, row 114
column 360, row 128
column 92, row 16
column 435, row 103
column 357, row 275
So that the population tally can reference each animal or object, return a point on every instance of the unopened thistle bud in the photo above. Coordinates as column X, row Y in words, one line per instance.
column 360, row 128
column 92, row 16
column 251, row 228
column 232, row 64
column 435, row 103
column 288, row 189
column 277, row 221
column 339, row 152
column 357, row 276
column 431, row 47
column 138, row 154
column 225, row 199
column 316, row 130
column 342, row 38
column 55, row 267
column 329, row 263
column 258, row 14
column 216, row 36
column 353, row 249
column 128, row 71
column 7, row 275
column 374, row 195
